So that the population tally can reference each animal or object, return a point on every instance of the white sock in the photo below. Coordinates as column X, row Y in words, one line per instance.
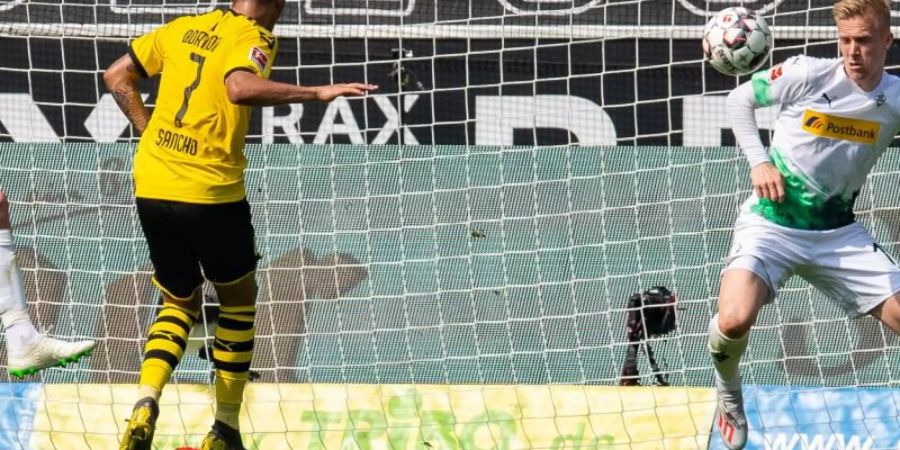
column 726, row 354
column 21, row 336
column 20, row 332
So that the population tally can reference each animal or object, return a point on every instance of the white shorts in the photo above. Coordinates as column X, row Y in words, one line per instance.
column 845, row 263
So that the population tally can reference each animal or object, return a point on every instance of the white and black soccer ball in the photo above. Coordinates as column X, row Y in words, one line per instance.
column 736, row 41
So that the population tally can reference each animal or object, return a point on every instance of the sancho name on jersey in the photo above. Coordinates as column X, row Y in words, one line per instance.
column 174, row 141
column 192, row 148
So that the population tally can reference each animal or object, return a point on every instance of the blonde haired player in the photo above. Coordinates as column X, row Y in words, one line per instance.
column 189, row 189
column 837, row 117
column 28, row 351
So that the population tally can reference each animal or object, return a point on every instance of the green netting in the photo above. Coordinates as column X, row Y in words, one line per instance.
column 462, row 264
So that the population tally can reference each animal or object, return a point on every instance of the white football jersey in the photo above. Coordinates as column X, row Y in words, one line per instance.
column 828, row 135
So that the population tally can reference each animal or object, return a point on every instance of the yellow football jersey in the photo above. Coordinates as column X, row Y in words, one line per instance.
column 192, row 148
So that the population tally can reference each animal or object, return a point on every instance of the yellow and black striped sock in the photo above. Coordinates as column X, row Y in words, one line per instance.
column 165, row 345
column 232, row 353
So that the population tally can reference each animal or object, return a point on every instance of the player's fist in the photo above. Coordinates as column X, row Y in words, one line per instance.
column 767, row 182
column 333, row 91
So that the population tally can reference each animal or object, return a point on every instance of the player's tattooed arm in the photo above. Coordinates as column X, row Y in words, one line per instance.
column 121, row 79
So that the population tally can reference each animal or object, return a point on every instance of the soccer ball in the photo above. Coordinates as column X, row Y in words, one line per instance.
column 736, row 41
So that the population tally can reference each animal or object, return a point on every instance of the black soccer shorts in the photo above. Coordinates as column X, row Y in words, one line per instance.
column 188, row 241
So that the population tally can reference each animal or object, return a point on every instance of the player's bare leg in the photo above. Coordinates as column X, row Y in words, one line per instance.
column 889, row 313
column 28, row 350
column 741, row 296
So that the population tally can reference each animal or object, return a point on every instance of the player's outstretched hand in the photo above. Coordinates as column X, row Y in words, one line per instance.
column 767, row 182
column 332, row 91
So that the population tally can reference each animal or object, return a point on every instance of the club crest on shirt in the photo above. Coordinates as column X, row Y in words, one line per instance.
column 880, row 99
column 259, row 58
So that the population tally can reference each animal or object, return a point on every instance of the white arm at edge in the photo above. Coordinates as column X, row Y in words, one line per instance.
column 741, row 107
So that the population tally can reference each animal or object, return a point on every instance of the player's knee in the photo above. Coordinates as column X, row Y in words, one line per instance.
column 735, row 324
column 241, row 292
column 741, row 296
column 736, row 315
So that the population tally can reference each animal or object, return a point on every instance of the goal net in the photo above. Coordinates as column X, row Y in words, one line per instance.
column 448, row 262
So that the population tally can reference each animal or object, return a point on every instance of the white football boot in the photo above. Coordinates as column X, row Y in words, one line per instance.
column 46, row 352
column 730, row 419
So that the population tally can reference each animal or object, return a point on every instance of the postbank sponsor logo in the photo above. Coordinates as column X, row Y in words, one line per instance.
column 836, row 127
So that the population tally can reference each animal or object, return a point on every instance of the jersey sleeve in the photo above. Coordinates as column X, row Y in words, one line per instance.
column 254, row 51
column 784, row 83
column 741, row 106
column 148, row 52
